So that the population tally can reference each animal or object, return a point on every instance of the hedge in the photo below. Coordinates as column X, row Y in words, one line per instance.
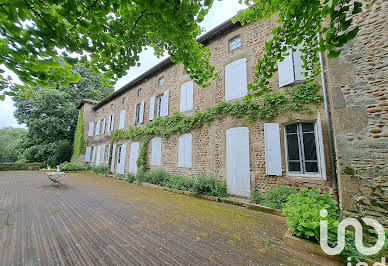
column 19, row 166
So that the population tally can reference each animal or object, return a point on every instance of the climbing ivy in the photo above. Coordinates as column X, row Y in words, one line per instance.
column 266, row 108
column 79, row 142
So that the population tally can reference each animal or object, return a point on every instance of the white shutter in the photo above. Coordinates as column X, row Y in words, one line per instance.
column 152, row 108
column 156, row 151
column 112, row 162
column 165, row 103
column 103, row 126
column 91, row 129
column 98, row 127
column 109, row 124
column 94, row 154
column 286, row 70
column 181, row 151
column 273, row 155
column 186, row 101
column 141, row 117
column 122, row 119
column 87, row 154
column 98, row 156
column 322, row 162
column 188, row 150
column 121, row 166
column 298, row 63
column 182, row 104
column 107, row 155
column 236, row 79
column 134, row 154
column 102, row 154
column 113, row 123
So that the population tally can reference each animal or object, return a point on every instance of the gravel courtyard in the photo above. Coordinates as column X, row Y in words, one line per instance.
column 95, row 220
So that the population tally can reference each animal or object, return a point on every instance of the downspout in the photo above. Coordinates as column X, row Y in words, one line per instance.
column 328, row 127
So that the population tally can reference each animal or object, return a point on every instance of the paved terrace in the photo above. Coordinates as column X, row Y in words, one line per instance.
column 95, row 220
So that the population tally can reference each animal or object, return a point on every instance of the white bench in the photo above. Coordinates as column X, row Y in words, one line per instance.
column 56, row 177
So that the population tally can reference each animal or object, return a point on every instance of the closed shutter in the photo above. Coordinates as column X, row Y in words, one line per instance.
column 91, row 129
column 236, row 79
column 98, row 127
column 134, row 154
column 121, row 166
column 109, row 124
column 103, row 154
column 113, row 123
column 112, row 162
column 103, row 126
column 107, row 154
column 98, row 155
column 165, row 103
column 122, row 119
column 286, row 70
column 141, row 117
column 152, row 108
column 181, row 151
column 321, row 153
column 273, row 156
column 298, row 64
column 87, row 154
column 94, row 154
column 156, row 151
column 188, row 150
column 186, row 101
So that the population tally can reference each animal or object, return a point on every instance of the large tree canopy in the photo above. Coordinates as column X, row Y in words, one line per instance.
column 9, row 137
column 51, row 116
column 109, row 35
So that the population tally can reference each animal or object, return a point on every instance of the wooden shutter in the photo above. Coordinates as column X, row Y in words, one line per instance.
column 152, row 108
column 165, row 103
column 156, row 151
column 298, row 64
column 121, row 166
column 112, row 162
column 98, row 156
column 93, row 154
column 273, row 155
column 103, row 126
column 98, row 127
column 134, row 154
column 286, row 70
column 141, row 117
column 186, row 101
column 182, row 104
column 321, row 153
column 188, row 150
column 122, row 119
column 103, row 154
column 91, row 129
column 109, row 124
column 236, row 79
column 181, row 151
column 87, row 154
column 107, row 154
column 113, row 123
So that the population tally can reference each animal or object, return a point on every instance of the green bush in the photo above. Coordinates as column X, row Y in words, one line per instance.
column 156, row 177
column 179, row 182
column 302, row 211
column 209, row 185
column 130, row 178
column 102, row 170
column 274, row 197
column 72, row 167
column 256, row 197
column 19, row 166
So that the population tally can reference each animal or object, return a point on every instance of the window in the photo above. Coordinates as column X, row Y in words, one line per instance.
column 137, row 118
column 98, row 127
column 91, row 129
column 290, row 69
column 235, row 43
column 87, row 154
column 107, row 150
column 159, row 105
column 123, row 100
column 301, row 147
column 161, row 81
column 236, row 79
column 185, row 151
column 111, row 123
column 122, row 119
column 119, row 155
column 139, row 92
column 186, row 101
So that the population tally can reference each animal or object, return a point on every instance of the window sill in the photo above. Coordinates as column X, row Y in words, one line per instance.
column 307, row 178
column 235, row 99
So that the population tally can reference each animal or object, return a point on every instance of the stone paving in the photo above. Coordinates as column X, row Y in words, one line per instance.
column 95, row 220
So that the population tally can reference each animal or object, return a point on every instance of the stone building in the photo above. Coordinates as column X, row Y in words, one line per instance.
column 296, row 149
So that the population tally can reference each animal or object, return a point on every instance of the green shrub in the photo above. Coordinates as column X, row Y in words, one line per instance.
column 274, row 197
column 140, row 176
column 130, row 178
column 209, row 185
column 102, row 170
column 72, row 167
column 179, row 182
column 302, row 211
column 156, row 177
column 256, row 197
column 19, row 166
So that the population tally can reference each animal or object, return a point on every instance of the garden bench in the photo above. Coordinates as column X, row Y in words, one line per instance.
column 56, row 177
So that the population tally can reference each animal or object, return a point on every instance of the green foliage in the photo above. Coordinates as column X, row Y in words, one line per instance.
column 130, row 178
column 71, row 167
column 250, row 110
column 51, row 117
column 9, row 137
column 302, row 212
column 180, row 183
column 79, row 145
column 108, row 36
column 19, row 166
column 209, row 185
column 157, row 177
column 300, row 22
column 102, row 170
column 274, row 197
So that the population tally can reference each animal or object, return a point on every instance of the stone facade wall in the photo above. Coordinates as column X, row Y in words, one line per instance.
column 358, row 88
column 209, row 143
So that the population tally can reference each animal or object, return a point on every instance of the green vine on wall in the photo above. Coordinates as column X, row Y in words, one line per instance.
column 272, row 104
column 79, row 142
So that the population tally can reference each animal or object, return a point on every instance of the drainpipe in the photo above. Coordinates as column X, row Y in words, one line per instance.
column 329, row 131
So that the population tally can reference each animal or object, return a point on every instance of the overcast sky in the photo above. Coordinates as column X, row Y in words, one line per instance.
column 220, row 12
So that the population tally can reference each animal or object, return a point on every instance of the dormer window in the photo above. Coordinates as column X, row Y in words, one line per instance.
column 235, row 43
column 161, row 81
